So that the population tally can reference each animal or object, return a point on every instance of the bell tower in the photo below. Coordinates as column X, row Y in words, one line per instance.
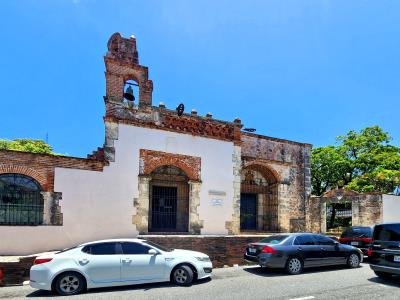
column 122, row 65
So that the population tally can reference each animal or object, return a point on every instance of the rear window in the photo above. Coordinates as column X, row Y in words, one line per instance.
column 274, row 239
column 357, row 232
column 387, row 233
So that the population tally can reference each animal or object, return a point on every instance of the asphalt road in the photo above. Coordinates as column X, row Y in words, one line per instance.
column 247, row 283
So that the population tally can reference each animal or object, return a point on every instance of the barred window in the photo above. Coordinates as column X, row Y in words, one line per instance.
column 21, row 201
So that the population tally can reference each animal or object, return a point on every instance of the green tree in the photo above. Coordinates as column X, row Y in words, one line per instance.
column 363, row 162
column 26, row 145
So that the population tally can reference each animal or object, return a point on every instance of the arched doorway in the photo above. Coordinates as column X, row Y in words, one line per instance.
column 21, row 201
column 169, row 200
column 258, row 200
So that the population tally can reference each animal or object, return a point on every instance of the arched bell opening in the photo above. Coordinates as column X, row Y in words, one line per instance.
column 131, row 93
column 21, row 201
column 169, row 200
column 258, row 200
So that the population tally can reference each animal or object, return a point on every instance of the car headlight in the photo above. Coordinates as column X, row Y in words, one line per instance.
column 203, row 259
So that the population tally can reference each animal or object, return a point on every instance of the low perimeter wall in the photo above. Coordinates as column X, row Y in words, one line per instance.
column 223, row 251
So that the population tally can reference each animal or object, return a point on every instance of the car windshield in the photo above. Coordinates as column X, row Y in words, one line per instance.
column 273, row 239
column 158, row 246
column 357, row 232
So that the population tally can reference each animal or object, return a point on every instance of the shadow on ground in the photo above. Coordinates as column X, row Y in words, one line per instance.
column 267, row 272
column 144, row 287
column 394, row 281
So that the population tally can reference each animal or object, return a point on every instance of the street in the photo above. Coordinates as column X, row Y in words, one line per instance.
column 247, row 283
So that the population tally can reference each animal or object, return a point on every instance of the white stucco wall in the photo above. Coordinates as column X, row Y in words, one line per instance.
column 391, row 208
column 97, row 205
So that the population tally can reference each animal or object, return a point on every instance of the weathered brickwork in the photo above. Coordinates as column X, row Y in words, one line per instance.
column 150, row 160
column 41, row 167
column 288, row 164
column 367, row 209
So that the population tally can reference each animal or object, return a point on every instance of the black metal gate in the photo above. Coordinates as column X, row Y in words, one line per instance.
column 21, row 202
column 248, row 211
column 164, row 208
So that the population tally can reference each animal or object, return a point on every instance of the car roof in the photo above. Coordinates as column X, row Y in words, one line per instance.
column 112, row 240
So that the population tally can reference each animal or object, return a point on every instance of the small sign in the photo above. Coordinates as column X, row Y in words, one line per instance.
column 216, row 202
column 217, row 193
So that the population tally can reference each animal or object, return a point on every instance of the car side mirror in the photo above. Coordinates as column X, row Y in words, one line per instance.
column 336, row 244
column 153, row 252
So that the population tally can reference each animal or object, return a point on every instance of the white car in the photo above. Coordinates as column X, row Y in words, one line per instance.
column 114, row 263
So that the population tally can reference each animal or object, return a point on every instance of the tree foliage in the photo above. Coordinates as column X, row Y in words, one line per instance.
column 363, row 162
column 26, row 145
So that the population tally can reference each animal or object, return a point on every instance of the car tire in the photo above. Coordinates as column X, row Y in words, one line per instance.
column 383, row 275
column 69, row 283
column 353, row 261
column 294, row 266
column 182, row 275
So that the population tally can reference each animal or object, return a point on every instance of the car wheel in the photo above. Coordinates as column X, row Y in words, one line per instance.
column 69, row 283
column 294, row 266
column 182, row 275
column 383, row 275
column 353, row 261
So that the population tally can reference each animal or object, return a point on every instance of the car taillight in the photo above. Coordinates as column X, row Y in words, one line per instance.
column 1, row 275
column 39, row 261
column 369, row 252
column 268, row 249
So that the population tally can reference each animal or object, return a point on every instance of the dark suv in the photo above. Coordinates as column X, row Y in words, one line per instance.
column 384, row 253
column 357, row 236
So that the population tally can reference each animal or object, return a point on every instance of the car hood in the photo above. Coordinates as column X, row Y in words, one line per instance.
column 190, row 253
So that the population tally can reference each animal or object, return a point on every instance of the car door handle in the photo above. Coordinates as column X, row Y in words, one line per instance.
column 127, row 260
column 300, row 249
column 323, row 249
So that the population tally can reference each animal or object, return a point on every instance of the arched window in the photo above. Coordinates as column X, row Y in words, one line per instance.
column 21, row 202
column 169, row 200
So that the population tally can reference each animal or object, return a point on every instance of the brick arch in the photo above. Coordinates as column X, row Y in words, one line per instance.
column 151, row 160
column 177, row 164
column 266, row 170
column 17, row 169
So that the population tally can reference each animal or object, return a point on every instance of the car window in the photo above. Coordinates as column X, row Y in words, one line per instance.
column 357, row 232
column 387, row 233
column 305, row 239
column 273, row 239
column 101, row 249
column 134, row 248
column 323, row 240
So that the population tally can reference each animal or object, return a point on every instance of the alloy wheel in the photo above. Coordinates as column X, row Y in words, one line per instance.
column 294, row 266
column 180, row 276
column 69, row 284
column 354, row 261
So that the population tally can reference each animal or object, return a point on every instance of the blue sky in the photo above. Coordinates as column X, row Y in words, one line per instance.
column 301, row 70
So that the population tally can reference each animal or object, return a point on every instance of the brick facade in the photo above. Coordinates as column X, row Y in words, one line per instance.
column 150, row 160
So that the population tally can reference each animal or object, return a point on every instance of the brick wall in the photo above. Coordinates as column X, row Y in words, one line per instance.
column 223, row 250
column 41, row 166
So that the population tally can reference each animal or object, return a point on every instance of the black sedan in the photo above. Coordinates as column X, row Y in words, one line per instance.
column 296, row 251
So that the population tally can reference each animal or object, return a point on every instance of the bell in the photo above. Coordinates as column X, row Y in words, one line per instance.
column 129, row 94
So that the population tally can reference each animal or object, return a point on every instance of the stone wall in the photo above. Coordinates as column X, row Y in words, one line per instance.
column 367, row 209
column 289, row 163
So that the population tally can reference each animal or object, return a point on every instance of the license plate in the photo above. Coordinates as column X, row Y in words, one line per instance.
column 354, row 243
column 252, row 250
column 396, row 258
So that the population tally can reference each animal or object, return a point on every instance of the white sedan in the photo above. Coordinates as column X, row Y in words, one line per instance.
column 115, row 263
